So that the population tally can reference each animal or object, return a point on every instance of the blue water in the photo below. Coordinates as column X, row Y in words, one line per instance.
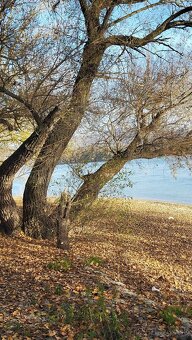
column 150, row 180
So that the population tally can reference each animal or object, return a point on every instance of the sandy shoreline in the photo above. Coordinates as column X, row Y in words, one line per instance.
column 177, row 213
column 18, row 199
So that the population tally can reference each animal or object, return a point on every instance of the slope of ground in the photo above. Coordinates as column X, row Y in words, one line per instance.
column 128, row 276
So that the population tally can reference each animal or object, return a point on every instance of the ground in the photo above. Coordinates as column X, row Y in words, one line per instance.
column 128, row 276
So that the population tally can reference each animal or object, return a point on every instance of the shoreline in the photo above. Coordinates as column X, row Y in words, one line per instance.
column 124, row 199
column 170, row 212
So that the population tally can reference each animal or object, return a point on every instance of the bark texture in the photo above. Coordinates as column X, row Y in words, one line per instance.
column 9, row 216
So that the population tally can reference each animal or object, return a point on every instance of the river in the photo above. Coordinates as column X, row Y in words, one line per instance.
column 150, row 180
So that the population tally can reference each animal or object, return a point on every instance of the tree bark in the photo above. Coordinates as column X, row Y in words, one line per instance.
column 63, row 222
column 93, row 183
column 9, row 216
column 35, row 208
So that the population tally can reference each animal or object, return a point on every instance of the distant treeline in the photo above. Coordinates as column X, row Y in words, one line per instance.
column 83, row 155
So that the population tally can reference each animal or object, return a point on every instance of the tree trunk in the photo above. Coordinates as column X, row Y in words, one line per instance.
column 93, row 183
column 35, row 209
column 63, row 222
column 9, row 216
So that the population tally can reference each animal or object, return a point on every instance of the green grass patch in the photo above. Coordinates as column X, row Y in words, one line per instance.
column 59, row 290
column 60, row 265
column 168, row 317
column 171, row 313
column 94, row 261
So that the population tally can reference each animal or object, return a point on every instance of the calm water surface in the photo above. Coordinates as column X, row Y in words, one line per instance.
column 150, row 179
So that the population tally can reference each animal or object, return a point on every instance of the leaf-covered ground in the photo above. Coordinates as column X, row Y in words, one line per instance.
column 128, row 276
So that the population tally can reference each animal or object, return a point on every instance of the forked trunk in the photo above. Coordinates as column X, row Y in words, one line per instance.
column 9, row 216
column 35, row 209
column 93, row 183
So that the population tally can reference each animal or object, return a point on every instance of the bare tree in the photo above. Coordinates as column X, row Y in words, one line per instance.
column 95, row 32
column 101, row 23
column 148, row 115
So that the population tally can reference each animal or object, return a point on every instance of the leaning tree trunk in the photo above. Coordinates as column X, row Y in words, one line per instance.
column 35, row 208
column 9, row 216
column 94, row 182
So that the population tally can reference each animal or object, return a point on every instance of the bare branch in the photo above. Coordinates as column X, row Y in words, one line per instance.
column 6, row 123
column 34, row 113
column 106, row 18
column 166, row 147
column 117, row 21
column 108, row 3
column 132, row 41
column 84, row 7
